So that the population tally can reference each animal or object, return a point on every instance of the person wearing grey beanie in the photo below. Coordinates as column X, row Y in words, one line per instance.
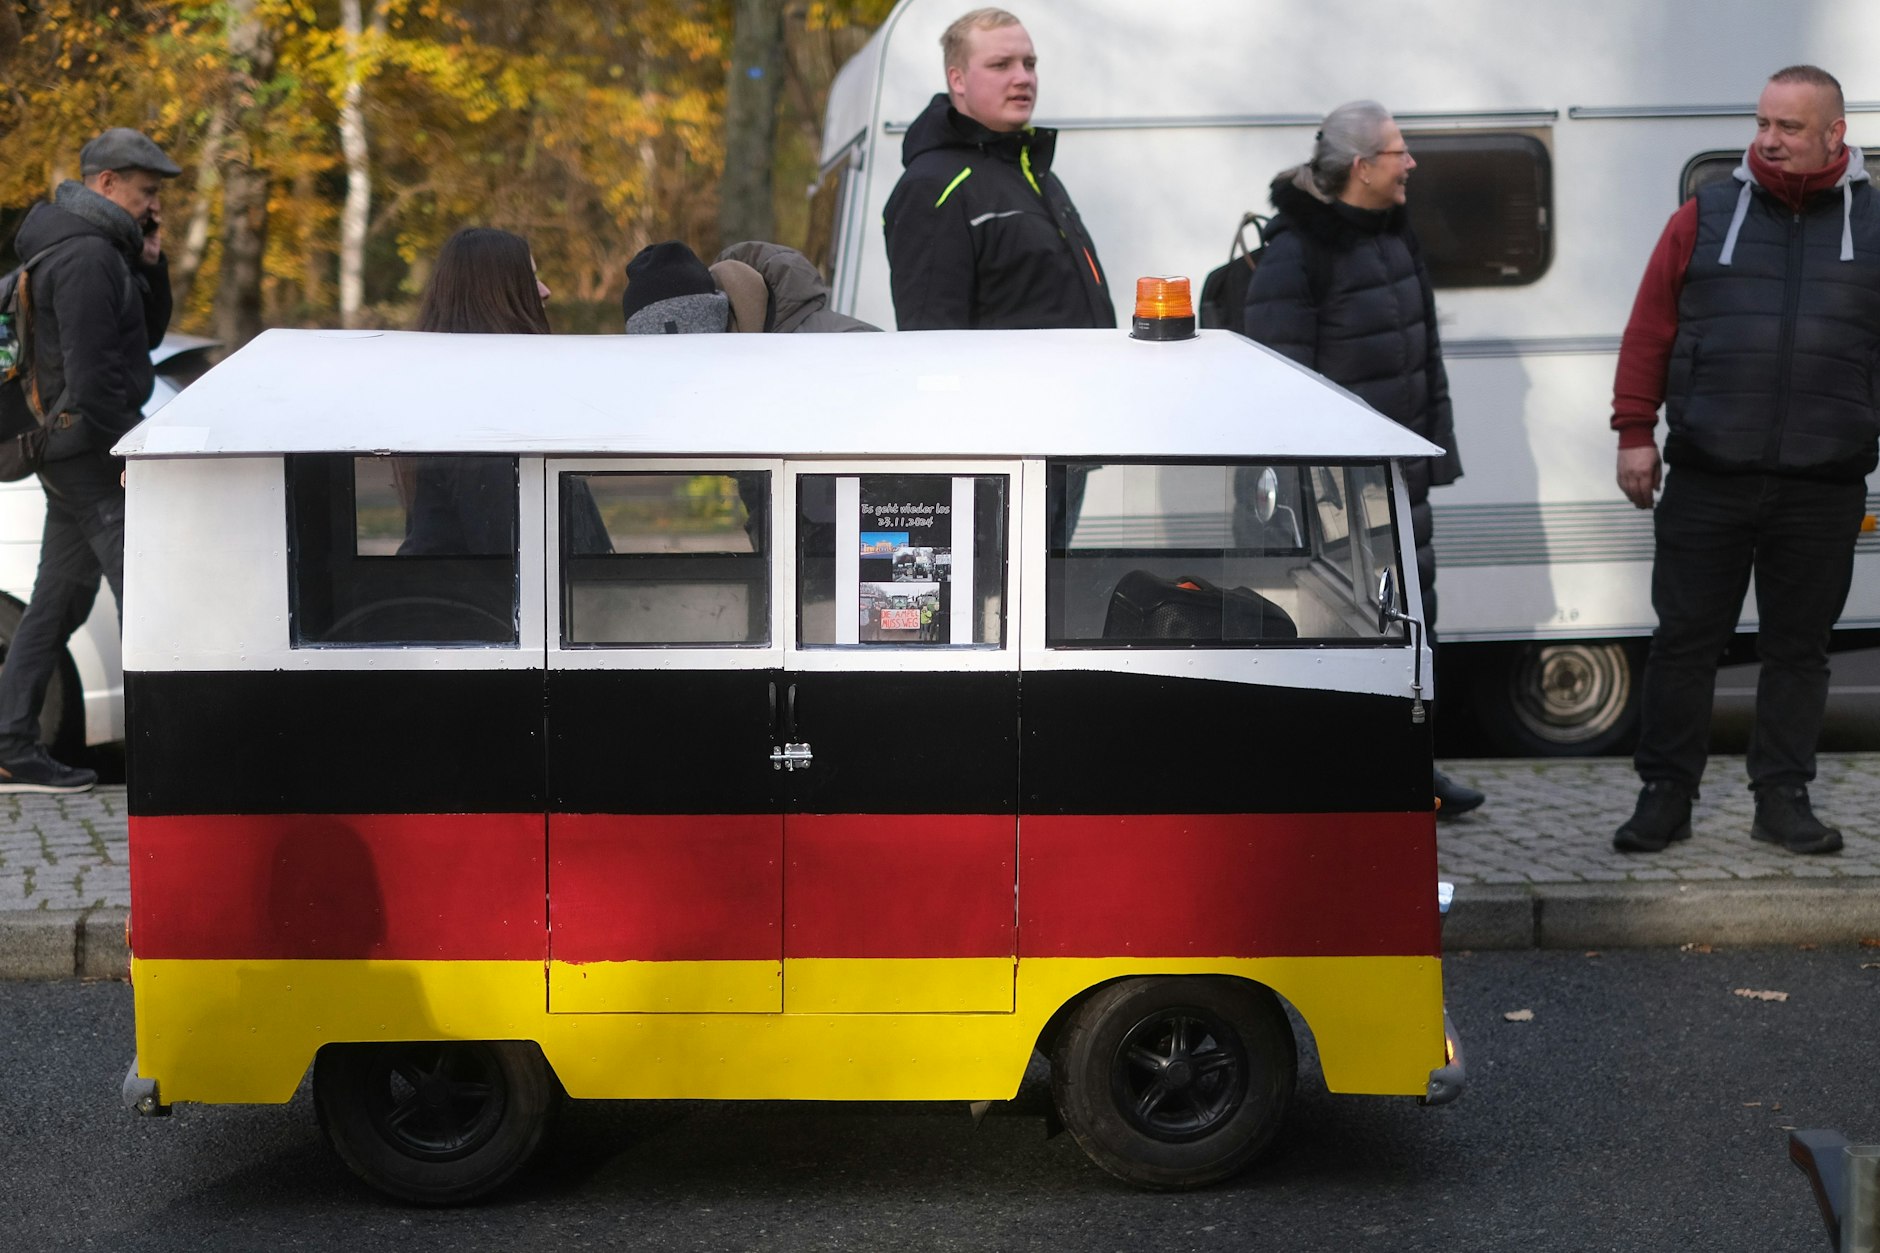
column 670, row 292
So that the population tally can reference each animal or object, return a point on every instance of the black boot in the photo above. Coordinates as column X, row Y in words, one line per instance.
column 1452, row 797
column 1663, row 814
column 1783, row 816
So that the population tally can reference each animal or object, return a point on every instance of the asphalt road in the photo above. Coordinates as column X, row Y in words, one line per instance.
column 1642, row 1109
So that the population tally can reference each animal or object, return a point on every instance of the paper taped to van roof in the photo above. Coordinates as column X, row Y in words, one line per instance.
column 930, row 393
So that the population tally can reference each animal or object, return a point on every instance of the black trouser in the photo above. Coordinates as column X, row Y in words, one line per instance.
column 1713, row 531
column 83, row 541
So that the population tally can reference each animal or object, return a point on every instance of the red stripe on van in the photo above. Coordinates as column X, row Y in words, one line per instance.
column 1228, row 885
column 666, row 887
column 899, row 885
column 464, row 887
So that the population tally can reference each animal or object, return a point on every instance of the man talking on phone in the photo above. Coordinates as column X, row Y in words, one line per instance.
column 100, row 301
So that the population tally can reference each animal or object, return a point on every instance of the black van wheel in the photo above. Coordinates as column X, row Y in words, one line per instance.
column 1175, row 1082
column 1577, row 698
column 439, row 1122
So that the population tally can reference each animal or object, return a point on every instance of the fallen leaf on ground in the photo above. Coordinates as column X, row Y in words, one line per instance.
column 1776, row 1108
column 1870, row 942
column 1756, row 994
column 1695, row 948
column 1519, row 1015
column 1870, row 965
column 1592, row 952
column 1752, row 1104
column 1808, row 948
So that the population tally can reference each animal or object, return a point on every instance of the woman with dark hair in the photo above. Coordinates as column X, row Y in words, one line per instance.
column 483, row 283
column 1342, row 289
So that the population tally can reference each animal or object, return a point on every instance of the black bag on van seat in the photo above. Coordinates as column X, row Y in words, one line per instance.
column 1146, row 606
column 1224, row 291
column 24, row 414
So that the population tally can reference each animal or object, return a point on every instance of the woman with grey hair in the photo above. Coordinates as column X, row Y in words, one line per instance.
column 1342, row 289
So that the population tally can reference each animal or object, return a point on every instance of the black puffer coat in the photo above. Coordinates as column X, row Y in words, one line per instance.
column 983, row 236
column 98, row 310
column 1343, row 291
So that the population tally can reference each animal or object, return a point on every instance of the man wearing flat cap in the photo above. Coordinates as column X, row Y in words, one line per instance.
column 100, row 299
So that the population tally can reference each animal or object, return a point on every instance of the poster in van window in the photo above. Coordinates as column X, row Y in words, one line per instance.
column 906, row 558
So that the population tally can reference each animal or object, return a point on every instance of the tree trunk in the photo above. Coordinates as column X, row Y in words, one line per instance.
column 356, row 217
column 187, row 264
column 244, row 185
column 244, row 242
column 744, row 193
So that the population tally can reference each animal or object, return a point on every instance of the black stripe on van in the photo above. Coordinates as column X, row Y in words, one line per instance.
column 334, row 741
column 1103, row 742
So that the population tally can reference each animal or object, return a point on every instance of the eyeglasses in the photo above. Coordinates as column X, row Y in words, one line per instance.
column 1391, row 152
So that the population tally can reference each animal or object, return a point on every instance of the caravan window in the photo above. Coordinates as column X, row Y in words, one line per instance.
column 1482, row 207
column 1153, row 555
column 401, row 550
column 1714, row 167
column 665, row 558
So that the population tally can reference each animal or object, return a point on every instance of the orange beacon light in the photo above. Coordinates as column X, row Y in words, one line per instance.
column 1164, row 309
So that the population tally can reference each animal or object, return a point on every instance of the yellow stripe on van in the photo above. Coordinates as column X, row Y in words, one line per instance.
column 845, row 985
column 246, row 1031
column 678, row 987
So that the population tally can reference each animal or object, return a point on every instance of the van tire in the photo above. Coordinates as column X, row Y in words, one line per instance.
column 1175, row 1082
column 1566, row 698
column 434, row 1122
column 62, row 717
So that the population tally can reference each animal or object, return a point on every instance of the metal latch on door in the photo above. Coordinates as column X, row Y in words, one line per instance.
column 791, row 757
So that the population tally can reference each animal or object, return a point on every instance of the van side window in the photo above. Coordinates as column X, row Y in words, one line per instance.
column 914, row 559
column 1482, row 207
column 667, row 558
column 1150, row 555
column 1715, row 167
column 401, row 550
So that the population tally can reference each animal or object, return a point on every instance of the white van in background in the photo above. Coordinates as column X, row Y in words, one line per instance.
column 85, row 701
column 1552, row 144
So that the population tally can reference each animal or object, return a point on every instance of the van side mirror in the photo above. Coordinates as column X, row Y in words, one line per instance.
column 1389, row 609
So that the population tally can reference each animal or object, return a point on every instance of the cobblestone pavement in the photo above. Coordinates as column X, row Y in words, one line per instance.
column 64, row 852
column 1551, row 821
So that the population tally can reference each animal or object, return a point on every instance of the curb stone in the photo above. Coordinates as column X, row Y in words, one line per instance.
column 1656, row 915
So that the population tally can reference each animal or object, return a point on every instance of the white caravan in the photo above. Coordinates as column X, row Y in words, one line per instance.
column 1552, row 144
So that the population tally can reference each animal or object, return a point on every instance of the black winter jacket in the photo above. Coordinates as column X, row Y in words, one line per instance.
column 1776, row 365
column 982, row 236
column 97, row 312
column 1345, row 292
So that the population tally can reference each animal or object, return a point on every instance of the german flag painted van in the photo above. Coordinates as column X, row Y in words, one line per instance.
column 775, row 717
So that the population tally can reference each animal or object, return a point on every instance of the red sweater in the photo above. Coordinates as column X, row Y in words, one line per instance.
column 1645, row 351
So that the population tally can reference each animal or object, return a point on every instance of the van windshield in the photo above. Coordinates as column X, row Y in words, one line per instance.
column 1165, row 555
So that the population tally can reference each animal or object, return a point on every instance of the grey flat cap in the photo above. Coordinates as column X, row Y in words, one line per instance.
column 122, row 148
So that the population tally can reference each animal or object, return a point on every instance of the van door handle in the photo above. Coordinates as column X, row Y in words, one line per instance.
column 791, row 757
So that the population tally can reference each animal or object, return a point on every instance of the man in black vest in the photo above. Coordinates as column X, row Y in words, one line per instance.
column 981, row 234
column 1757, row 326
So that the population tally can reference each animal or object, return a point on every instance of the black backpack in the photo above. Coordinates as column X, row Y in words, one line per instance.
column 24, row 414
column 1224, row 291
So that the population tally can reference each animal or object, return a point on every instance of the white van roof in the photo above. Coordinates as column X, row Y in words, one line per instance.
column 926, row 394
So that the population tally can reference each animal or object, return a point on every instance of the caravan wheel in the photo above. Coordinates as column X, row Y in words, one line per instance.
column 435, row 1122
column 1576, row 699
